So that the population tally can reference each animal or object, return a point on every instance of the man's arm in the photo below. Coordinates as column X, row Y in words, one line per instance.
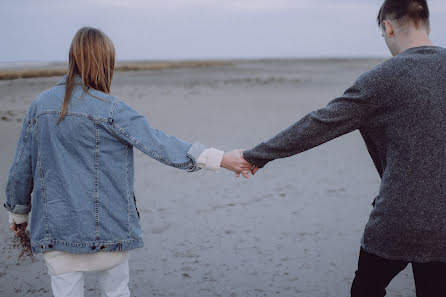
column 341, row 116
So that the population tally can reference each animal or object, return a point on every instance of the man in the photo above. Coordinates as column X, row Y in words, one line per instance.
column 400, row 109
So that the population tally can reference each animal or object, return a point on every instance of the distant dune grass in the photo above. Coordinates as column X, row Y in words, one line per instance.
column 29, row 73
column 59, row 70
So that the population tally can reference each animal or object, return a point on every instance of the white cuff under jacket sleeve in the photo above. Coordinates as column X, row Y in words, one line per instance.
column 18, row 218
column 210, row 159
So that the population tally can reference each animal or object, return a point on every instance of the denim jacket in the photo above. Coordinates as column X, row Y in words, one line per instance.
column 80, row 172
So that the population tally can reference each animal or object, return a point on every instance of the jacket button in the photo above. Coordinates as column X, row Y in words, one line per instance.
column 102, row 247
column 50, row 246
column 42, row 246
column 93, row 247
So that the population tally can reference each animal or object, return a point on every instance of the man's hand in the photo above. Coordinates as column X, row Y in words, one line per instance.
column 254, row 170
column 234, row 161
column 19, row 229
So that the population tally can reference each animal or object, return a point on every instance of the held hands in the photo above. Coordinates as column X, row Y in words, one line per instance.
column 234, row 161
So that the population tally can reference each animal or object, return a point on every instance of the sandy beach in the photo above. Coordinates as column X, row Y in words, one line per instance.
column 292, row 230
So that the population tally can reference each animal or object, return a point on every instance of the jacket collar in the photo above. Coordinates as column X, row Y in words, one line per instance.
column 63, row 81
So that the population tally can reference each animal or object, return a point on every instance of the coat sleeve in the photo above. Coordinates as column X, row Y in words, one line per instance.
column 133, row 129
column 341, row 116
column 20, row 179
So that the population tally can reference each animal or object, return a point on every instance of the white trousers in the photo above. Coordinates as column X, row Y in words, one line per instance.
column 113, row 282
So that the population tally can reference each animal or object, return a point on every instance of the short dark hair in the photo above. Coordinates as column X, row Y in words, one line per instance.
column 416, row 10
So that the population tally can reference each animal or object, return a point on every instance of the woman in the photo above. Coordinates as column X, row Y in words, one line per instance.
column 78, row 161
column 400, row 109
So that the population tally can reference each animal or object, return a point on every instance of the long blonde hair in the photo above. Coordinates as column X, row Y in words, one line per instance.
column 92, row 57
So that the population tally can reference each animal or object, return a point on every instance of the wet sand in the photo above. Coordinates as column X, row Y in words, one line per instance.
column 294, row 229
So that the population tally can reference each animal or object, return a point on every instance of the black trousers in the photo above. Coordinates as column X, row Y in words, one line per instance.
column 375, row 273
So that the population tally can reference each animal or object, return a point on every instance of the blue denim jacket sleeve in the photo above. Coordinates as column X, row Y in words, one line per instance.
column 133, row 129
column 20, row 179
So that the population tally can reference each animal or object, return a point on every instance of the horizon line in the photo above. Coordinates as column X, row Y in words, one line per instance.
column 16, row 70
column 241, row 58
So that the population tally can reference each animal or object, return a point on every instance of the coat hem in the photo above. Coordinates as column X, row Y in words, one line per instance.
column 405, row 258
column 87, row 247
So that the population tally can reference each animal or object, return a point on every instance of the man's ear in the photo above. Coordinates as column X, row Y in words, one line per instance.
column 388, row 28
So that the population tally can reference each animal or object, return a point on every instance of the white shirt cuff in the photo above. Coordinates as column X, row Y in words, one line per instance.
column 18, row 218
column 210, row 159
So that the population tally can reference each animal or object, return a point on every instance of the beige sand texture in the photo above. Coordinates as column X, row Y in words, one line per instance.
column 291, row 230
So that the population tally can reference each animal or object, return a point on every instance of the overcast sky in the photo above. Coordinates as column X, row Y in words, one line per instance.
column 42, row 30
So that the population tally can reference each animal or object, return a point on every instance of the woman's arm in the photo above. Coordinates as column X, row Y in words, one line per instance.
column 20, row 180
column 133, row 129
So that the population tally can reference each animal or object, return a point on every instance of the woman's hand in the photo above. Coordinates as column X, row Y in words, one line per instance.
column 19, row 229
column 235, row 162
